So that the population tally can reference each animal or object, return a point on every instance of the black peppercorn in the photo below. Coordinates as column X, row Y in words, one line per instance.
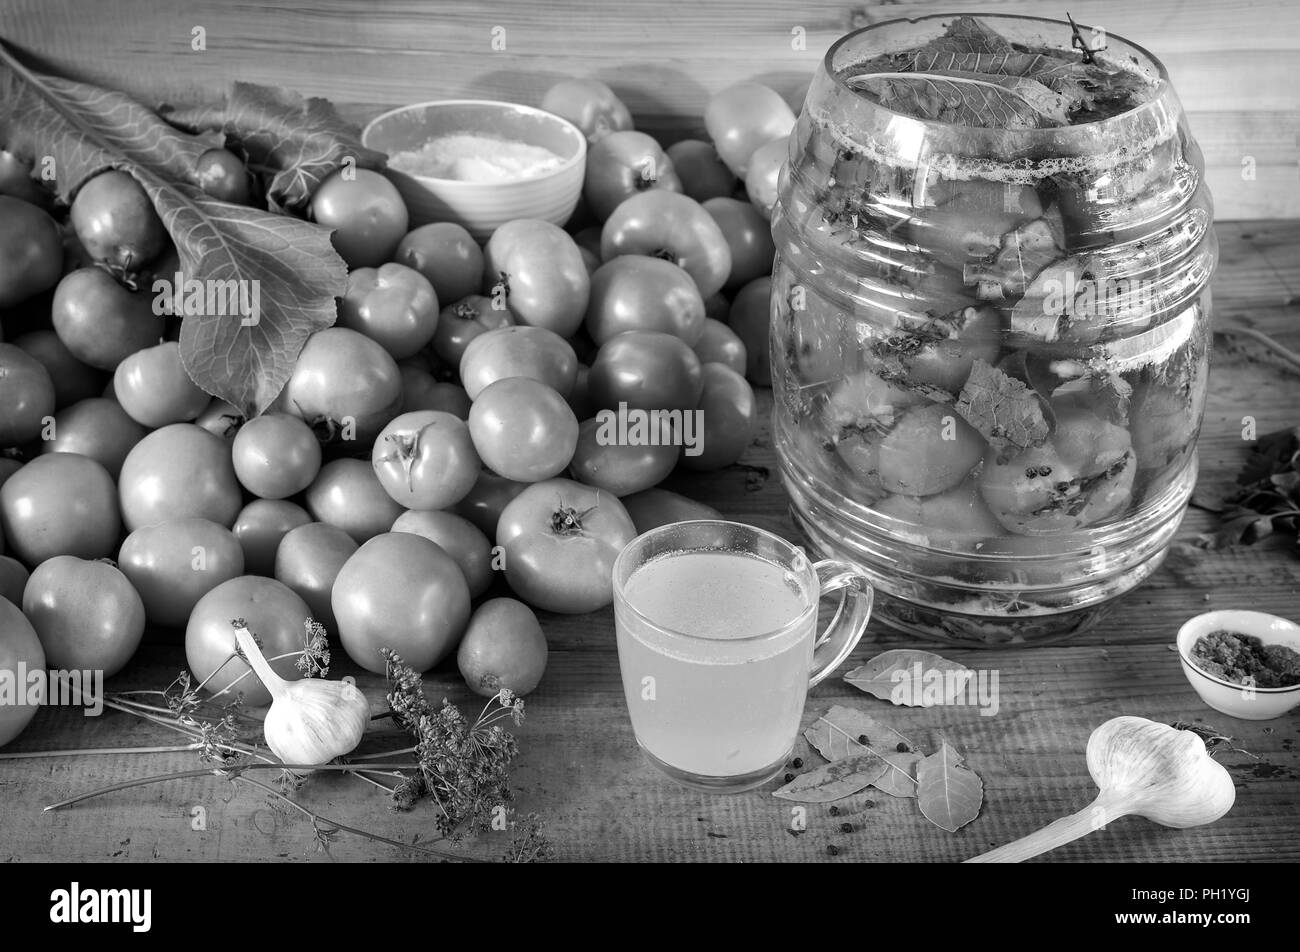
column 789, row 777
column 862, row 739
column 846, row 827
column 902, row 748
column 834, row 810
column 833, row 850
column 797, row 763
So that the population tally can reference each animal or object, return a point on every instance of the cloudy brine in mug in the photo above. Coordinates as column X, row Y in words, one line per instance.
column 706, row 692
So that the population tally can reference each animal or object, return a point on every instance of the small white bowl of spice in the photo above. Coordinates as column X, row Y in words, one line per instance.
column 481, row 163
column 1244, row 664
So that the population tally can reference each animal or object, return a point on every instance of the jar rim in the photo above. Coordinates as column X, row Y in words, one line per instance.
column 1025, row 137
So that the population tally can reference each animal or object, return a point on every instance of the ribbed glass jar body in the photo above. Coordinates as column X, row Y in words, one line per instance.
column 990, row 347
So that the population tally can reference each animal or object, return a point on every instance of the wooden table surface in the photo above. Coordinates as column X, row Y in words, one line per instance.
column 580, row 769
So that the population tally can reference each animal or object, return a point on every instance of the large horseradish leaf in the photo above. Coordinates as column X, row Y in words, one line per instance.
column 974, row 76
column 288, row 266
column 972, row 99
column 294, row 141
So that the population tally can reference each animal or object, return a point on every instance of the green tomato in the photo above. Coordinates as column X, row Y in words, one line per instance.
column 426, row 459
column 366, row 212
column 719, row 344
column 174, row 564
column 522, row 429
column 116, row 223
column 98, row 428
column 20, row 654
column 623, row 164
column 729, row 414
column 459, row 538
column 402, row 592
column 348, row 494
column 503, row 648
column 637, row 293
column 275, row 455
column 272, row 612
column 60, row 504
column 27, row 396
column 448, row 257
column 703, row 173
column 31, row 251
column 620, row 468
column 177, row 472
column 101, row 322
column 542, row 273
column 86, row 614
column 155, row 389
column 260, row 526
column 73, row 380
column 590, row 105
column 393, row 305
column 930, row 450
column 308, row 561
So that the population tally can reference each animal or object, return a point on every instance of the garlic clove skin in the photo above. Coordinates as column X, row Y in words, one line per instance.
column 1160, row 772
column 310, row 722
column 316, row 721
column 1141, row 767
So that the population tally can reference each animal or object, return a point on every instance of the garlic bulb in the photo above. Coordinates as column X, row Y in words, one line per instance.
column 311, row 721
column 1141, row 767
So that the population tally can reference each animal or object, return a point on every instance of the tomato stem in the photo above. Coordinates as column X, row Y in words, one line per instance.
column 567, row 521
column 406, row 447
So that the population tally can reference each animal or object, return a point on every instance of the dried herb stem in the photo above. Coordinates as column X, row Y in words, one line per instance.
column 1277, row 348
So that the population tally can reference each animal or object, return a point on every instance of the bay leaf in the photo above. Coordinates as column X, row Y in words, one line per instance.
column 948, row 793
column 834, row 781
column 910, row 678
column 900, row 779
column 835, row 735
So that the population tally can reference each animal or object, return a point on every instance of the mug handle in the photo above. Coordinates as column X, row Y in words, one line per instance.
column 845, row 629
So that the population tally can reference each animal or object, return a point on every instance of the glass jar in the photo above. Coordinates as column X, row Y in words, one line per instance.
column 990, row 345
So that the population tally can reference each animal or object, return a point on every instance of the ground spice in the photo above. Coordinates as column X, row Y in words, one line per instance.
column 1244, row 659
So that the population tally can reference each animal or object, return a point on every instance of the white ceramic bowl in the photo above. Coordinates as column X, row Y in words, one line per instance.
column 481, row 206
column 1252, row 704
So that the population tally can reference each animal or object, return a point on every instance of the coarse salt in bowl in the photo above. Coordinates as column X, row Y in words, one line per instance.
column 481, row 163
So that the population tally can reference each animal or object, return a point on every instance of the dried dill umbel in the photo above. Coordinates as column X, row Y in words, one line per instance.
column 459, row 763
column 462, row 765
column 314, row 662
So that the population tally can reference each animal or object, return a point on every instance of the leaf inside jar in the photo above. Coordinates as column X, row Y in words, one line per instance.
column 1026, row 252
column 974, row 76
column 1008, row 413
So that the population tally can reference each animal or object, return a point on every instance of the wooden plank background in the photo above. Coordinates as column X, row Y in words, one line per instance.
column 580, row 770
column 1233, row 64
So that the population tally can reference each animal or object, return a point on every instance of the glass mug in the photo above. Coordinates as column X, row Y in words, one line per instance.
column 718, row 645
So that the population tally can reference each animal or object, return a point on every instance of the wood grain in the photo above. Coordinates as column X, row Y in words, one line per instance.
column 1232, row 64
column 580, row 770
